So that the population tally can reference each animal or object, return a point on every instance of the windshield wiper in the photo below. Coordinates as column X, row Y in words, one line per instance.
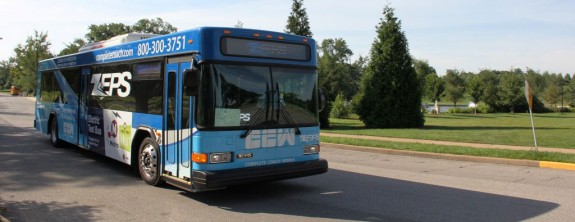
column 258, row 115
column 282, row 110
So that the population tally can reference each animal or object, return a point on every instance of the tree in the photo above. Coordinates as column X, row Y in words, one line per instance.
column 5, row 77
column 454, row 86
column 564, row 84
column 568, row 91
column 334, row 68
column 422, row 69
column 571, row 92
column 390, row 94
column 552, row 93
column 26, row 60
column 106, row 31
column 357, row 70
column 536, row 81
column 466, row 76
column 155, row 26
column 475, row 90
column 334, row 73
column 72, row 47
column 434, row 89
column 510, row 90
column 490, row 81
column 297, row 22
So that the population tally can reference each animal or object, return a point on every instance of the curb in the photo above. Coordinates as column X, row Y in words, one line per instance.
column 514, row 162
column 556, row 165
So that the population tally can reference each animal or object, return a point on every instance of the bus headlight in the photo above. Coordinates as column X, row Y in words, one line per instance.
column 311, row 149
column 220, row 157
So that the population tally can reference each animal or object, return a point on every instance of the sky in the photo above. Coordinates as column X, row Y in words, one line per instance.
column 468, row 35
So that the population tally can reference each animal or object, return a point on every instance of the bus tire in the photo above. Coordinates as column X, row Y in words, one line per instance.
column 149, row 162
column 54, row 139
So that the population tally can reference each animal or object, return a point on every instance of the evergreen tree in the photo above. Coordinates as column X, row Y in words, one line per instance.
column 390, row 94
column 298, row 22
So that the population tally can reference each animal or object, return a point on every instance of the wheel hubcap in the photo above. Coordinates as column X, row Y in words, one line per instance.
column 148, row 160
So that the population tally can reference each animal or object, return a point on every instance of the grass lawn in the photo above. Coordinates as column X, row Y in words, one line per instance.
column 552, row 129
column 457, row 150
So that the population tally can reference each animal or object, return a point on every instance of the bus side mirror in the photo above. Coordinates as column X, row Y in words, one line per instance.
column 321, row 100
column 192, row 79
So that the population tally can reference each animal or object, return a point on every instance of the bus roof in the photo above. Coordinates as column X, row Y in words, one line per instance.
column 204, row 41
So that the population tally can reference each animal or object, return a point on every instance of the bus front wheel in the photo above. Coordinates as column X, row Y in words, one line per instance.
column 149, row 162
column 54, row 139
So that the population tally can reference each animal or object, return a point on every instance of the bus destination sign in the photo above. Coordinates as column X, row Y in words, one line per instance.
column 265, row 49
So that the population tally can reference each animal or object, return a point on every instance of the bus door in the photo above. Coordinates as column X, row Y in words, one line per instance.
column 178, row 121
column 83, row 108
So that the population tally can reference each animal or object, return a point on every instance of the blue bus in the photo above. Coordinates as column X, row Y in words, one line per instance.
column 202, row 109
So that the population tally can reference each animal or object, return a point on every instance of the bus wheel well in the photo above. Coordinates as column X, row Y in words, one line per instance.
column 50, row 119
column 138, row 138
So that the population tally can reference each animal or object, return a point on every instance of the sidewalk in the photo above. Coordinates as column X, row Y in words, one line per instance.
column 517, row 162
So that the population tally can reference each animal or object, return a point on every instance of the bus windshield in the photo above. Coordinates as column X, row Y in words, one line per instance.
column 260, row 96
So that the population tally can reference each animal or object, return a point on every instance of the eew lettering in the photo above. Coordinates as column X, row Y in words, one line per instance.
column 270, row 138
column 107, row 83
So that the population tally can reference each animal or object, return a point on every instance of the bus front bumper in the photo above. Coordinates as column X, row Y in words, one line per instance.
column 208, row 180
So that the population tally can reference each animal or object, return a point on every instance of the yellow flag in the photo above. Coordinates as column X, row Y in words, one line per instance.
column 528, row 95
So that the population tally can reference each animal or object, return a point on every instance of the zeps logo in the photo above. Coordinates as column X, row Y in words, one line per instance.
column 107, row 83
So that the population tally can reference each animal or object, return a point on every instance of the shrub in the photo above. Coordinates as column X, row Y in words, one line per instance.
column 339, row 109
column 482, row 108
column 460, row 110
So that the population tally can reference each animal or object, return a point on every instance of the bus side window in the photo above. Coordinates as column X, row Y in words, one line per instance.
column 50, row 90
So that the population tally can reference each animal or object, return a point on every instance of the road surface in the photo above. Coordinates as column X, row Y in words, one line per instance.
column 41, row 183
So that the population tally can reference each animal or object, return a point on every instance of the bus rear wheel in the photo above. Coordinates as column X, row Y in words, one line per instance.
column 54, row 139
column 149, row 164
